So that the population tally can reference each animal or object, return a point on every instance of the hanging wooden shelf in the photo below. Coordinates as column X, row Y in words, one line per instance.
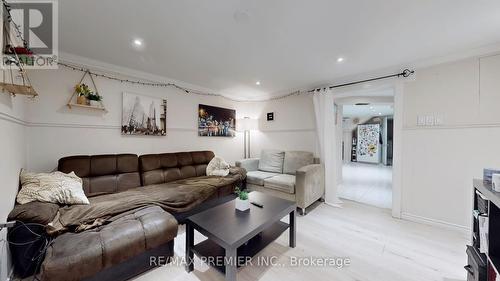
column 71, row 103
column 15, row 89
column 87, row 106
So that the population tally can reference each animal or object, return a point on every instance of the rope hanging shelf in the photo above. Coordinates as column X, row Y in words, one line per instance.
column 73, row 100
column 8, row 85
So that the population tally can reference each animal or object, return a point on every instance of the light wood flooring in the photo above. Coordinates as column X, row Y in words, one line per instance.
column 367, row 183
column 380, row 248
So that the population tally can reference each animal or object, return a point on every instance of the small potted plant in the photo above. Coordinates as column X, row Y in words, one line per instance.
column 95, row 99
column 242, row 202
column 82, row 91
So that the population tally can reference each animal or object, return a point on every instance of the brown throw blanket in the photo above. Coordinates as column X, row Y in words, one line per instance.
column 178, row 196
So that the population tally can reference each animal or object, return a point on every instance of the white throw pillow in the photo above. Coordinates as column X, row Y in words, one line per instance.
column 55, row 187
column 217, row 167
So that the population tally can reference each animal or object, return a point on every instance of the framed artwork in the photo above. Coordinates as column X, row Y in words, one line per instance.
column 144, row 115
column 216, row 121
column 270, row 116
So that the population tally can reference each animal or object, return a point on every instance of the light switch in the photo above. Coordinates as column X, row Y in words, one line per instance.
column 429, row 120
column 439, row 121
column 421, row 121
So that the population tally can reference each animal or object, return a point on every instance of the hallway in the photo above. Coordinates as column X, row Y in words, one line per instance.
column 369, row 184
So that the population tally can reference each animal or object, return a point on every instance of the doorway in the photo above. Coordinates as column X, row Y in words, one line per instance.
column 367, row 150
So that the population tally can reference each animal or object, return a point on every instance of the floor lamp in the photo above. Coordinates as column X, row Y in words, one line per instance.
column 246, row 125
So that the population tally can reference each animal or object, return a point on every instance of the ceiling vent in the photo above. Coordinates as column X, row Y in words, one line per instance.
column 362, row 103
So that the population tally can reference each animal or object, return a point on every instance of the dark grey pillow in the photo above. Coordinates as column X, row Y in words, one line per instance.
column 34, row 212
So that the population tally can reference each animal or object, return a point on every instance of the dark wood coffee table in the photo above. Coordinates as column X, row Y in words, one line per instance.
column 234, row 235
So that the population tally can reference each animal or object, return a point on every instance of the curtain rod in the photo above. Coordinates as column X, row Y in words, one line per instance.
column 405, row 73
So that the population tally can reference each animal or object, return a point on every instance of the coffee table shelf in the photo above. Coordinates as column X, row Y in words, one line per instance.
column 208, row 248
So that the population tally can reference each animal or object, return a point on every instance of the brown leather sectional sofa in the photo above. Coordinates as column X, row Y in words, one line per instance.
column 122, row 248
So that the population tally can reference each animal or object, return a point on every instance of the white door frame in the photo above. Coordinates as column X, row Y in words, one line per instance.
column 396, row 85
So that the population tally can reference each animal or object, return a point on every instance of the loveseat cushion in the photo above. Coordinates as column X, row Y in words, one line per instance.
column 258, row 177
column 283, row 182
column 295, row 160
column 74, row 256
column 271, row 161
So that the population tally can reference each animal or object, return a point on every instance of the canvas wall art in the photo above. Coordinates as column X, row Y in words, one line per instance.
column 144, row 115
column 216, row 121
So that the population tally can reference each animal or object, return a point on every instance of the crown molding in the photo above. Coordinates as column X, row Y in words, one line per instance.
column 478, row 52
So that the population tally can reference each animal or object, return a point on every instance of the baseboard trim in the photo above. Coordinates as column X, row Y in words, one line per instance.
column 435, row 222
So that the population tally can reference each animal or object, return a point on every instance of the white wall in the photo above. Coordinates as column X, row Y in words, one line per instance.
column 293, row 128
column 13, row 158
column 439, row 162
column 56, row 131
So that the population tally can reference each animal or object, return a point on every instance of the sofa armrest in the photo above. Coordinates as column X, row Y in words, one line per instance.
column 250, row 164
column 309, row 184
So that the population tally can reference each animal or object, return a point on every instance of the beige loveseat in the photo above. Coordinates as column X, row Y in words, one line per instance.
column 291, row 175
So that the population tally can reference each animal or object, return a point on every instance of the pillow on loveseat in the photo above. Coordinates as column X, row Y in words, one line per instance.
column 271, row 161
column 55, row 187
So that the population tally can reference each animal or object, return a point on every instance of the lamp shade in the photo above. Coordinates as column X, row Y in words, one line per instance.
column 247, row 124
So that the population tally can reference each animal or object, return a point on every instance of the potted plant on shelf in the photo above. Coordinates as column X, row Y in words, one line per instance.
column 82, row 91
column 242, row 202
column 95, row 99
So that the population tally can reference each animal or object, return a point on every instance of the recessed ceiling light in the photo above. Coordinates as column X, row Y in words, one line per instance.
column 340, row 59
column 380, row 113
column 257, row 83
column 138, row 42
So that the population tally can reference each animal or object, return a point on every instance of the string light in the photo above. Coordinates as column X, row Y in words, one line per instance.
column 160, row 84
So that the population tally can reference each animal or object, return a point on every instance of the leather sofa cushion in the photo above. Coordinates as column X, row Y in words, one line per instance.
column 78, row 164
column 101, row 165
column 295, row 160
column 258, row 177
column 168, row 160
column 167, row 167
column 103, row 173
column 283, row 182
column 75, row 256
column 188, row 172
column 171, row 174
column 271, row 161
column 184, row 158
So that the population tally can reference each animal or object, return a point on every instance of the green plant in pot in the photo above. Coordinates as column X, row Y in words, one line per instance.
column 242, row 202
column 82, row 91
column 95, row 99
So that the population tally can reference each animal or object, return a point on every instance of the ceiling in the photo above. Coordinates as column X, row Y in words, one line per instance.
column 360, row 111
column 229, row 45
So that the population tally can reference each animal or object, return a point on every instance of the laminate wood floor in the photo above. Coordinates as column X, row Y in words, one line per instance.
column 379, row 247
column 367, row 183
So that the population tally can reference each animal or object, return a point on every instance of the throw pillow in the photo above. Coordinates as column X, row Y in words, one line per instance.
column 55, row 187
column 217, row 167
column 271, row 161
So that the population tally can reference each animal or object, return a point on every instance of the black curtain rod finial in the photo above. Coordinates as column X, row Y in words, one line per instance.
column 407, row 72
